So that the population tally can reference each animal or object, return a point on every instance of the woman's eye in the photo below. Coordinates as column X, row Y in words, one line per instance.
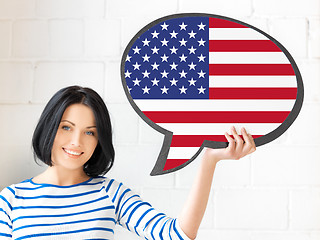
column 90, row 133
column 66, row 128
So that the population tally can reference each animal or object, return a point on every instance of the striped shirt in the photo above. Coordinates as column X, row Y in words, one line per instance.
column 88, row 210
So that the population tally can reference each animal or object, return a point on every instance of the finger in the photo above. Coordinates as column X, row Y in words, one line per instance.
column 231, row 141
column 237, row 138
column 249, row 142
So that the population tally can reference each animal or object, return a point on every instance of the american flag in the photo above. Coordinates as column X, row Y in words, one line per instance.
column 197, row 76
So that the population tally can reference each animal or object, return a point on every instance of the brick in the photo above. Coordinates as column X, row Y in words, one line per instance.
column 133, row 164
column 125, row 123
column 102, row 37
column 17, row 9
column 219, row 7
column 286, row 165
column 52, row 76
column 314, row 38
column 18, row 123
column 5, row 40
column 17, row 164
column 70, row 8
column 16, row 82
column 30, row 38
column 149, row 135
column 286, row 8
column 305, row 209
column 66, row 38
column 114, row 92
column 306, row 129
column 139, row 8
column 310, row 73
column 280, row 235
column 292, row 34
column 227, row 173
column 251, row 209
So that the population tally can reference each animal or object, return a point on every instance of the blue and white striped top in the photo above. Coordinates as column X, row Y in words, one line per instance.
column 88, row 210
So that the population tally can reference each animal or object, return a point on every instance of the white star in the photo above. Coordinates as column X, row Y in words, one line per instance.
column 146, row 74
column 155, row 34
column 192, row 82
column 136, row 50
column 164, row 26
column 146, row 90
column 201, row 90
column 183, row 74
column 183, row 58
column 155, row 66
column 129, row 89
column 192, row 66
column 128, row 58
column 164, row 58
column 201, row 42
column 201, row 26
column 192, row 34
column 164, row 42
column 173, row 66
column 201, row 74
column 183, row 90
column 136, row 82
column 201, row 58
column 173, row 50
column 173, row 34
column 155, row 82
column 173, row 82
column 164, row 74
column 183, row 26
column 146, row 58
column 146, row 42
column 192, row 50
column 155, row 50
column 164, row 90
column 183, row 42
column 127, row 74
column 136, row 66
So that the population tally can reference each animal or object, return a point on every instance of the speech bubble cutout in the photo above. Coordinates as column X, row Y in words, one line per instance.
column 193, row 76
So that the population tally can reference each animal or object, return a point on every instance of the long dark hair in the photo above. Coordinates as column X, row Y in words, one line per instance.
column 102, row 158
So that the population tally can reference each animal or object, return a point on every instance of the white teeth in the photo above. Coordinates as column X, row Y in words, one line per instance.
column 72, row 152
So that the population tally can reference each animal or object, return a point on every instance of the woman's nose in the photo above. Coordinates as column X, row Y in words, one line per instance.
column 76, row 139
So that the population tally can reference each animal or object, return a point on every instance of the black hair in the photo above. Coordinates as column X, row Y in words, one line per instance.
column 102, row 158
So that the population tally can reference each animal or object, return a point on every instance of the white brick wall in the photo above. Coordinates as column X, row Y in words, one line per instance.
column 48, row 44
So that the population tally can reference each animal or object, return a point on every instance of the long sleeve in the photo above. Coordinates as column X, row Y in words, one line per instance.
column 140, row 217
column 6, row 197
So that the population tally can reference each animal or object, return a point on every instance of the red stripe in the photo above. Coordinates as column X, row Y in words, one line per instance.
column 217, row 116
column 243, row 46
column 222, row 23
column 173, row 163
column 252, row 93
column 197, row 140
column 251, row 69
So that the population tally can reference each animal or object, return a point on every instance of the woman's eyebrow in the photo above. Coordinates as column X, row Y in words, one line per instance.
column 73, row 124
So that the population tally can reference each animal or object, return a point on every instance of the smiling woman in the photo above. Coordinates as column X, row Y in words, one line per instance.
column 71, row 199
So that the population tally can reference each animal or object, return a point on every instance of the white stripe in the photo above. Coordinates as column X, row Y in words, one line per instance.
column 252, row 81
column 248, row 58
column 182, row 152
column 218, row 128
column 235, row 34
column 215, row 105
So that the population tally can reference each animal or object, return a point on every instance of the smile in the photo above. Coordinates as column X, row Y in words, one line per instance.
column 73, row 153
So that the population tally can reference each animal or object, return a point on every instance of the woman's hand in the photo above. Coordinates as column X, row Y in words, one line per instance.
column 236, row 149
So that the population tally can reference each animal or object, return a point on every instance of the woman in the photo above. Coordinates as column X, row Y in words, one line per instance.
column 71, row 199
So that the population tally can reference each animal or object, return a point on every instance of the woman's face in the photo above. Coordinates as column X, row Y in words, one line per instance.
column 76, row 138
